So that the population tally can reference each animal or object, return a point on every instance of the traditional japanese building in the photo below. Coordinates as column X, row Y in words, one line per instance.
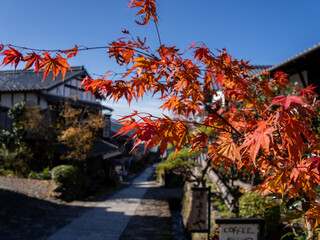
column 28, row 86
column 303, row 68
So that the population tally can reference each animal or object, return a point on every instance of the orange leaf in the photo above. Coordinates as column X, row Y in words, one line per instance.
column 259, row 139
column 33, row 58
column 148, row 9
column 54, row 65
column 13, row 56
column 72, row 52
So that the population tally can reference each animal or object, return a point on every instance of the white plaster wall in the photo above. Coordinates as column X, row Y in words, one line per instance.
column 6, row 99
column 57, row 91
column 72, row 91
column 80, row 94
column 73, row 82
column 18, row 97
column 53, row 91
column 31, row 99
column 67, row 92
column 43, row 103
column 295, row 78
column 60, row 90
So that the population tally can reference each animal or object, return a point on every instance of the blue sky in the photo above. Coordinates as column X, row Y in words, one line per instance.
column 265, row 32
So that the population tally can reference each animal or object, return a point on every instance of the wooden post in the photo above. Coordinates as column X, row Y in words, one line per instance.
column 209, row 211
column 196, row 212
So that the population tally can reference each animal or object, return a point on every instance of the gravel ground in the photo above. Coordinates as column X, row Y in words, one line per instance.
column 152, row 219
column 28, row 211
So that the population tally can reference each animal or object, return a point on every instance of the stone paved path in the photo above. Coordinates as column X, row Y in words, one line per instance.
column 110, row 218
column 152, row 218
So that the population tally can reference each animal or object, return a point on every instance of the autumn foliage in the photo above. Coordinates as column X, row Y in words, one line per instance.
column 78, row 131
column 261, row 123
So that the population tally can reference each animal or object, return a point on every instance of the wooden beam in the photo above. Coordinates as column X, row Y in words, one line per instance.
column 226, row 195
column 302, row 79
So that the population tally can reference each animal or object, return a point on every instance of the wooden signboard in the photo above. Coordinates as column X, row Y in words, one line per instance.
column 241, row 229
column 198, row 221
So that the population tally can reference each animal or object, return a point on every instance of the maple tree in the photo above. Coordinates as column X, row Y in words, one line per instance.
column 255, row 125
column 77, row 130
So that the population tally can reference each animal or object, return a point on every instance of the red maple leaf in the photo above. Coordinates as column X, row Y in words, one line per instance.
column 287, row 101
column 54, row 65
column 281, row 77
column 13, row 56
column 315, row 163
column 33, row 58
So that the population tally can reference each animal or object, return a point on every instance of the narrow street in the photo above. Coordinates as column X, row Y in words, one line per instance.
column 140, row 211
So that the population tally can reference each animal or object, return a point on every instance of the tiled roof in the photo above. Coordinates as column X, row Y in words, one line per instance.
column 99, row 147
column 115, row 127
column 28, row 80
column 102, row 146
column 300, row 56
column 258, row 70
column 77, row 102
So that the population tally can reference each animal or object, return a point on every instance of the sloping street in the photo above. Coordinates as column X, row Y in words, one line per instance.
column 126, row 215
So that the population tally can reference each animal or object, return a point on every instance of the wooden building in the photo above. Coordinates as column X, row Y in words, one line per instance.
column 303, row 68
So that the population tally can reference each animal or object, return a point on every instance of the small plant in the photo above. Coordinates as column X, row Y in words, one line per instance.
column 17, row 160
column 44, row 175
column 179, row 163
column 253, row 205
column 6, row 137
column 8, row 173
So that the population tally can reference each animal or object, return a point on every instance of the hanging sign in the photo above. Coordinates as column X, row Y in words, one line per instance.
column 241, row 229
column 198, row 221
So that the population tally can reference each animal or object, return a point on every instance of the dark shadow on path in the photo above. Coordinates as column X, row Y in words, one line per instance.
column 23, row 217
column 152, row 218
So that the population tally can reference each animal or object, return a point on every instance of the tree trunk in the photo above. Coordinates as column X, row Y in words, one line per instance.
column 226, row 195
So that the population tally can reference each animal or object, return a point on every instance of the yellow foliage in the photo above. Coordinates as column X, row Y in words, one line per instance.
column 33, row 119
column 78, row 131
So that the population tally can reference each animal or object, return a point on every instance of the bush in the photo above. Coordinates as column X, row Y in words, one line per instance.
column 7, row 173
column 70, row 182
column 44, row 175
column 178, row 164
column 253, row 205
column 6, row 138
column 68, row 176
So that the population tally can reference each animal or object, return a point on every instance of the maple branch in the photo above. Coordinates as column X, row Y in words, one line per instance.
column 84, row 48
column 205, row 125
column 226, row 122
column 203, row 173
column 158, row 32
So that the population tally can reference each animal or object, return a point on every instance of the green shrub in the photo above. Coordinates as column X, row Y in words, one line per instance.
column 253, row 205
column 8, row 173
column 44, row 175
column 6, row 138
column 67, row 176
column 70, row 182
column 180, row 163
column 17, row 160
